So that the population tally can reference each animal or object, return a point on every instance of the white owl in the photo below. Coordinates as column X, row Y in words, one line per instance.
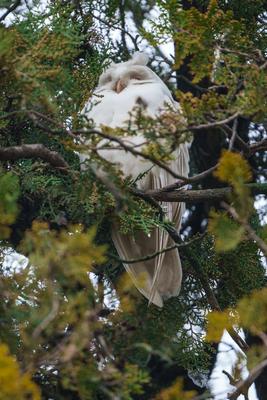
column 119, row 90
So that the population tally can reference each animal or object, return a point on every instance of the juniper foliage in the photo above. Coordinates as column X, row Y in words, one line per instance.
column 72, row 324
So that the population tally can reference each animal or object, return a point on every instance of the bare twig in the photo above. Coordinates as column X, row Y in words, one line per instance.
column 260, row 146
column 132, row 150
column 233, row 137
column 115, row 26
column 49, row 318
column 215, row 123
column 209, row 292
column 10, row 10
column 162, row 55
column 183, row 182
column 154, row 255
column 243, row 386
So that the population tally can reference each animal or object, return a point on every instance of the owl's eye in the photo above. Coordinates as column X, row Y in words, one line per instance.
column 136, row 77
column 106, row 78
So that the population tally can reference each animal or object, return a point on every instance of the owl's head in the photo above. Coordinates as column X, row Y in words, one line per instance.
column 119, row 76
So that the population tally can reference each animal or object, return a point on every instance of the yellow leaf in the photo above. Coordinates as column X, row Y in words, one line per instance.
column 217, row 322
column 233, row 169
column 227, row 232
column 175, row 392
column 253, row 311
column 13, row 384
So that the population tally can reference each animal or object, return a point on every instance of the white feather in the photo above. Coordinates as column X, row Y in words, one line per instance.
column 160, row 277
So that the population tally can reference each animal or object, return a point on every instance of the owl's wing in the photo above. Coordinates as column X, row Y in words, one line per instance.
column 159, row 278
column 168, row 271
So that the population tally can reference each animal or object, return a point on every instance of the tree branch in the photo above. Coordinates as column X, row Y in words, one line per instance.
column 233, row 137
column 14, row 153
column 183, row 182
column 195, row 196
column 154, row 255
column 10, row 10
column 260, row 146
column 132, row 150
column 243, row 386
column 214, row 124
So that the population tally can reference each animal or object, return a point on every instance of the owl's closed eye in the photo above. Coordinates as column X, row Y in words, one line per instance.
column 105, row 78
column 119, row 80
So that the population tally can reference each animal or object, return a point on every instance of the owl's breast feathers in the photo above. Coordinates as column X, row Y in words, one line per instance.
column 113, row 109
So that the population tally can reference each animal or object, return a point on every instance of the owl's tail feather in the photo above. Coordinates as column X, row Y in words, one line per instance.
column 167, row 271
column 142, row 273
column 161, row 241
column 157, row 279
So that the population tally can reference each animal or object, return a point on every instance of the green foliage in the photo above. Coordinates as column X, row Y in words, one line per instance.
column 252, row 310
column 74, row 321
column 9, row 192
column 228, row 233
column 234, row 170
column 250, row 313
column 175, row 392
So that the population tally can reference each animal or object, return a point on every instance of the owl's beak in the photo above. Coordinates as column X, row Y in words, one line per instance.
column 119, row 86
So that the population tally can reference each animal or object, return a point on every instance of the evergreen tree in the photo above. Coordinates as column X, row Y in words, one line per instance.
column 72, row 324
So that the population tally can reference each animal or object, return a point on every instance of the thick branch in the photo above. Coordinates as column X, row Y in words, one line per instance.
column 14, row 153
column 196, row 196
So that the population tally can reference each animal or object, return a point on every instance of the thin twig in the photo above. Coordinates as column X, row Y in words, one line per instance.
column 112, row 188
column 10, row 10
column 154, row 255
column 243, row 386
column 260, row 146
column 209, row 292
column 124, row 31
column 191, row 179
column 48, row 319
column 215, row 123
column 233, row 137
column 131, row 150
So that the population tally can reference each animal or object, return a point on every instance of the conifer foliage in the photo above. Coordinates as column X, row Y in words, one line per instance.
column 72, row 324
